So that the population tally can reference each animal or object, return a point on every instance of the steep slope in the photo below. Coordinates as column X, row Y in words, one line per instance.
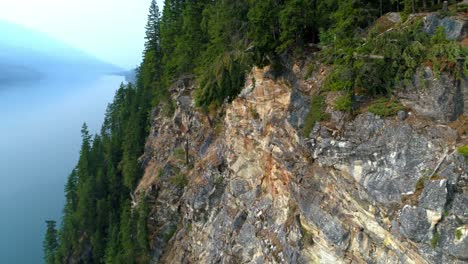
column 363, row 189
column 343, row 150
column 246, row 185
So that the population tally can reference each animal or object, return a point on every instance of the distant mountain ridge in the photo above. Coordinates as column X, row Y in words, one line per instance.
column 27, row 55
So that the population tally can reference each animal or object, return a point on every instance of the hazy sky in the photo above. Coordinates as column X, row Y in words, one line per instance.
column 112, row 30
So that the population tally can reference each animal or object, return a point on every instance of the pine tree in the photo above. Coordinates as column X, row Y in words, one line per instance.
column 127, row 235
column 191, row 40
column 50, row 243
column 264, row 29
column 142, row 231
column 153, row 33
column 171, row 26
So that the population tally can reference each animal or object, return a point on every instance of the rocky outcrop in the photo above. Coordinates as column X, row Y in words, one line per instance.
column 456, row 28
column 442, row 99
column 244, row 185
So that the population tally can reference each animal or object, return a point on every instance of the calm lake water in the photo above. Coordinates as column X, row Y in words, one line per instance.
column 39, row 145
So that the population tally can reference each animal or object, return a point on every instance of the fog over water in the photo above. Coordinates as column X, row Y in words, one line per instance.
column 40, row 126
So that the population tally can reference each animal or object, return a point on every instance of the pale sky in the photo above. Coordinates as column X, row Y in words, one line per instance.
column 112, row 30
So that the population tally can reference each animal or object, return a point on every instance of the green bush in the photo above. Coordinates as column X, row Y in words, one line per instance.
column 385, row 107
column 458, row 234
column 462, row 8
column 343, row 103
column 222, row 78
column 310, row 70
column 180, row 180
column 382, row 62
column 316, row 113
column 463, row 150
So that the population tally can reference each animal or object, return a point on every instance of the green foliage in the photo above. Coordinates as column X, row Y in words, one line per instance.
column 391, row 59
column 222, row 80
column 407, row 10
column 126, row 235
column 179, row 154
column 222, row 66
column 160, row 172
column 263, row 18
column 462, row 8
column 343, row 103
column 180, row 180
column 97, row 214
column 420, row 184
column 316, row 113
column 219, row 41
column 296, row 20
column 463, row 150
column 435, row 239
column 50, row 243
column 458, row 233
column 311, row 68
column 142, row 231
column 218, row 127
column 385, row 107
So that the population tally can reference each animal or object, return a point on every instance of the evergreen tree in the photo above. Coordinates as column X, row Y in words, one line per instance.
column 50, row 243
column 219, row 41
column 142, row 231
column 171, row 26
column 191, row 40
column 153, row 34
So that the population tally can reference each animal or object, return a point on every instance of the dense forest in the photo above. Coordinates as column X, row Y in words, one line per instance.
column 218, row 41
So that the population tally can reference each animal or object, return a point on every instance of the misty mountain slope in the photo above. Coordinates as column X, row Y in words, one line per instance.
column 27, row 55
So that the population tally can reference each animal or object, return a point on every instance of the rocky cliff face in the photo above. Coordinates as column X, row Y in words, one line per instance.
column 245, row 185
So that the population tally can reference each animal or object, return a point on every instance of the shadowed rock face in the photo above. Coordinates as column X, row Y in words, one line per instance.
column 361, row 189
column 442, row 99
column 455, row 28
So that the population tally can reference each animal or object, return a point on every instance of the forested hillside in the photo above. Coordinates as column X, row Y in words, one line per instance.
column 216, row 43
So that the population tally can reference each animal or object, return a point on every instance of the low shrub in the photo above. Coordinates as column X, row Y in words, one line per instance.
column 180, row 180
column 458, row 234
column 179, row 154
column 343, row 103
column 435, row 239
column 316, row 113
column 463, row 150
column 385, row 107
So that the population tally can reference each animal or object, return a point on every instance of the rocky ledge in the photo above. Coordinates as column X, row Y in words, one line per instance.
column 244, row 185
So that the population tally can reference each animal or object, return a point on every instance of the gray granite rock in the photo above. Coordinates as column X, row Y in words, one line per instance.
column 460, row 204
column 438, row 98
column 434, row 195
column 414, row 224
column 402, row 115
